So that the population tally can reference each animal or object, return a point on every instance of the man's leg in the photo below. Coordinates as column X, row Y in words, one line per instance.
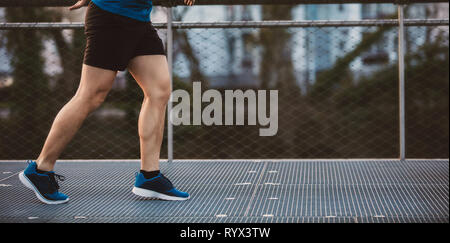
column 152, row 74
column 94, row 86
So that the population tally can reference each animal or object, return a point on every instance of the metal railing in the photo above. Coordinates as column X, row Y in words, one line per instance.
column 172, row 3
column 173, row 26
column 247, row 24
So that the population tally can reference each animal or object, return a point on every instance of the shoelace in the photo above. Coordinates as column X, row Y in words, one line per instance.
column 53, row 178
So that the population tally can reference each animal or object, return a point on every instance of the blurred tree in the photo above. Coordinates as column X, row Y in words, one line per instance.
column 427, row 98
column 36, row 103
column 277, row 72
column 71, row 56
column 181, row 42
column 334, row 101
column 339, row 73
column 276, row 66
column 370, row 104
column 30, row 87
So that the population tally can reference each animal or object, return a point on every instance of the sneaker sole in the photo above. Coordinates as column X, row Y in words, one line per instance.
column 30, row 185
column 152, row 194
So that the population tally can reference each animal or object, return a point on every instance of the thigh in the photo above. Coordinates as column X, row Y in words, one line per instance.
column 151, row 72
column 95, row 80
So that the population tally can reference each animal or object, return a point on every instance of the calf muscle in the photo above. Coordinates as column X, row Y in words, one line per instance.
column 94, row 86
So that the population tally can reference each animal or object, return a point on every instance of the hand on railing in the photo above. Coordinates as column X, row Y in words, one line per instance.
column 79, row 4
column 189, row 2
column 82, row 3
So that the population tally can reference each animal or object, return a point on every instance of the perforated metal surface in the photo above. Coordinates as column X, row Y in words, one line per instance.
column 242, row 191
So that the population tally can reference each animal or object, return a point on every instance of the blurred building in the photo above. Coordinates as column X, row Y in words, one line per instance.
column 223, row 56
column 321, row 47
column 51, row 56
column 227, row 59
column 385, row 52
column 4, row 59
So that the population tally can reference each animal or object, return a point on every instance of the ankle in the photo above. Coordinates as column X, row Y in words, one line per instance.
column 150, row 174
column 149, row 166
column 42, row 165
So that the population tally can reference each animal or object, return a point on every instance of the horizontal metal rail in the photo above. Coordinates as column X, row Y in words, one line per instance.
column 47, row 3
column 313, row 23
column 244, row 24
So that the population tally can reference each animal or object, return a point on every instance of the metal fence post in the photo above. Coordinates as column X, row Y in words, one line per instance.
column 170, row 63
column 401, row 67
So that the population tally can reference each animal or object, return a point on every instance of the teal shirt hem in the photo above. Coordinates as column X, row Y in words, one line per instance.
column 142, row 15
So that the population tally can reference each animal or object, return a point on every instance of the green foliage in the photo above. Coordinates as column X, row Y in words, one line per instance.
column 342, row 116
column 34, row 104
column 30, row 81
column 371, row 104
column 276, row 66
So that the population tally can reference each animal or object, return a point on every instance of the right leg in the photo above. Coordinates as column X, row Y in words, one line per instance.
column 94, row 86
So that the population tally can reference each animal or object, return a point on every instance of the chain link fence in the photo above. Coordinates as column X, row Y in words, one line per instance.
column 337, row 83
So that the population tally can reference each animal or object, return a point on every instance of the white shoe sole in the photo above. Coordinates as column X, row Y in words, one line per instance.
column 30, row 185
column 152, row 194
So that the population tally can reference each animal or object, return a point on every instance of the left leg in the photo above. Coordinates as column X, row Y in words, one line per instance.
column 152, row 74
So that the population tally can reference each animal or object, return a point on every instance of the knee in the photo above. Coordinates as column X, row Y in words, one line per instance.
column 97, row 100
column 91, row 101
column 159, row 93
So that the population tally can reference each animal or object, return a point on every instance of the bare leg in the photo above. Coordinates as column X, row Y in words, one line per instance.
column 152, row 74
column 94, row 86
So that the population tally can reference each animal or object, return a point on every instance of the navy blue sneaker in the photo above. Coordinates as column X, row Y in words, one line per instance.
column 44, row 185
column 157, row 187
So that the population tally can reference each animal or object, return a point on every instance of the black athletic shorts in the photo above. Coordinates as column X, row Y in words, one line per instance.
column 112, row 40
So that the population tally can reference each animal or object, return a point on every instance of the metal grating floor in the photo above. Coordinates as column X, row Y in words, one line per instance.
column 358, row 191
